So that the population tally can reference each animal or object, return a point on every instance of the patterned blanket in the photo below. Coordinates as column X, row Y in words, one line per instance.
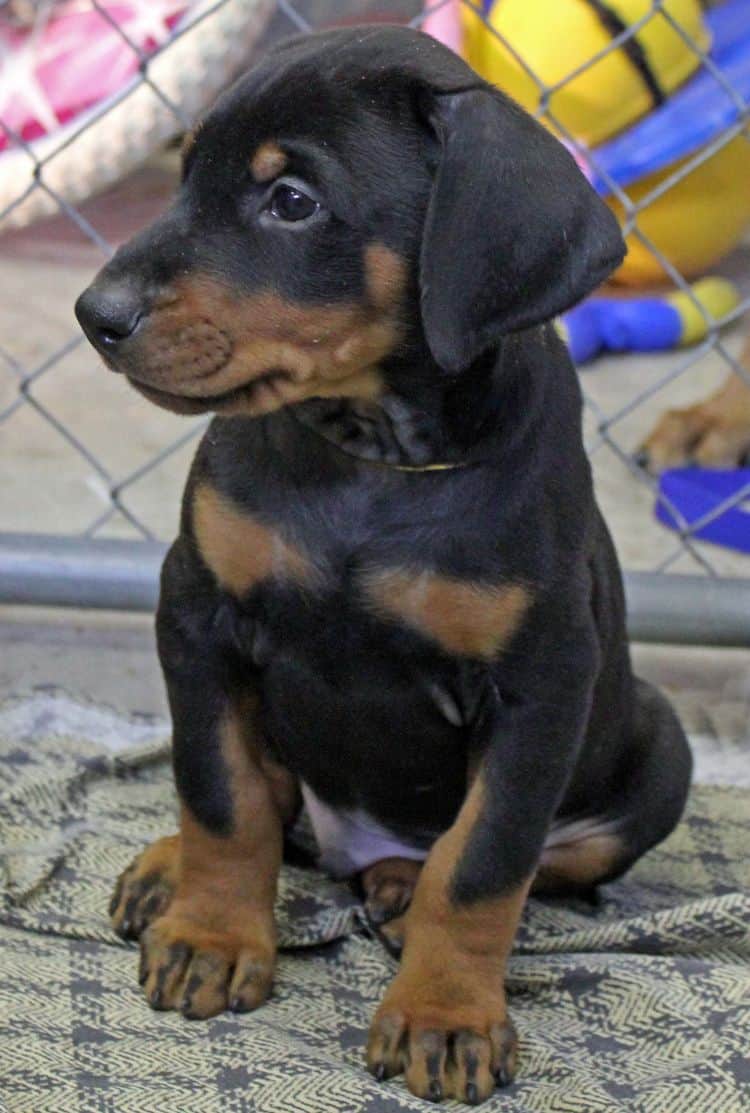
column 638, row 1002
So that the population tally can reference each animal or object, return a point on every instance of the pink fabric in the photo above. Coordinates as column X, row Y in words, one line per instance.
column 444, row 24
column 74, row 59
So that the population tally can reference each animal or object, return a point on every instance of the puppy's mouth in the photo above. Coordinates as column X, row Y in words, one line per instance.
column 263, row 394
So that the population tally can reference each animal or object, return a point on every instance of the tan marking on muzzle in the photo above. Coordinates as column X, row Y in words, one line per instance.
column 385, row 276
column 204, row 340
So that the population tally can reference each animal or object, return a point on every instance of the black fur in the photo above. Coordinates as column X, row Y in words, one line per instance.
column 499, row 232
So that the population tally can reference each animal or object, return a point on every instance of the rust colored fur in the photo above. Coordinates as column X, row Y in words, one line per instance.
column 450, row 980
column 268, row 162
column 578, row 864
column 470, row 619
column 211, row 943
column 240, row 551
column 206, row 341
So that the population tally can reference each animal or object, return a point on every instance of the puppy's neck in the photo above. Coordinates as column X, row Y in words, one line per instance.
column 391, row 431
column 423, row 419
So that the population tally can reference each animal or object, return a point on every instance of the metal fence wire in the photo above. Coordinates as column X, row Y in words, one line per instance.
column 90, row 472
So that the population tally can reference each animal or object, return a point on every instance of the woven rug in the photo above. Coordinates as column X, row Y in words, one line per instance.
column 638, row 1002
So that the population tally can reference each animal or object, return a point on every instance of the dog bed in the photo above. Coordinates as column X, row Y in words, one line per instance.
column 640, row 1001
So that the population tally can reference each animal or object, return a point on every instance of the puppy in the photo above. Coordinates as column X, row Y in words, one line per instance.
column 392, row 591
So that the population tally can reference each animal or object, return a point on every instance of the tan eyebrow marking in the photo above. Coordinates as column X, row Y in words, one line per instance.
column 188, row 142
column 267, row 162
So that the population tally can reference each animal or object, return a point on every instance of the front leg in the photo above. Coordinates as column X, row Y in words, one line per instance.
column 215, row 945
column 212, row 943
column 444, row 1019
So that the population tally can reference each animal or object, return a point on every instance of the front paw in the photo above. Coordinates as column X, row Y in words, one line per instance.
column 144, row 890
column 452, row 1038
column 199, row 969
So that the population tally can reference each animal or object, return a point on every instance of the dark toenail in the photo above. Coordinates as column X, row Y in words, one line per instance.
column 641, row 458
column 379, row 1071
column 502, row 1077
column 472, row 1094
column 377, row 914
column 435, row 1091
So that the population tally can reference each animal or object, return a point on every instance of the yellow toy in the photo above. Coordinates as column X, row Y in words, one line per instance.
column 551, row 39
column 536, row 54
column 698, row 221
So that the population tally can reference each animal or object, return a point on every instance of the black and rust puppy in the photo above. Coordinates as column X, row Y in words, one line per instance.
column 392, row 589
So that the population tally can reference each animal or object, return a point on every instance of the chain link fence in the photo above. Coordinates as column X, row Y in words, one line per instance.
column 92, row 474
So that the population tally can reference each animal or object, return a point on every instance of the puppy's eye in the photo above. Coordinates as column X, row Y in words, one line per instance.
column 291, row 204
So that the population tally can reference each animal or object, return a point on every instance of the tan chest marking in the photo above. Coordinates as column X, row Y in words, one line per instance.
column 466, row 619
column 580, row 853
column 240, row 550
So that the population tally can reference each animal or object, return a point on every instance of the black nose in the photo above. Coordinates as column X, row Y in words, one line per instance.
column 109, row 314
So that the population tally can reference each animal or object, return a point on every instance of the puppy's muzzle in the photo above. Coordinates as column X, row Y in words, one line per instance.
column 152, row 338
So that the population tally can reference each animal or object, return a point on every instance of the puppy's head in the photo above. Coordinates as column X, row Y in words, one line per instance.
column 359, row 194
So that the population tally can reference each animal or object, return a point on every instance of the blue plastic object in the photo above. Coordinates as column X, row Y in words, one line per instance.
column 696, row 492
column 607, row 324
column 692, row 116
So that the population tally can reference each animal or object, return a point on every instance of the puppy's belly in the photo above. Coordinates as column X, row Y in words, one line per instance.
column 350, row 841
column 377, row 754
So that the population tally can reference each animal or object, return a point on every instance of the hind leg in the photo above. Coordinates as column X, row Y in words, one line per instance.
column 388, row 886
column 583, row 851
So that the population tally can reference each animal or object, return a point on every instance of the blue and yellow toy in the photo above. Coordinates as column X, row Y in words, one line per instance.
column 645, row 109
column 653, row 324
column 549, row 40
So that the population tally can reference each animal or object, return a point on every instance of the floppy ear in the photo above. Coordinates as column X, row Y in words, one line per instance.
column 514, row 234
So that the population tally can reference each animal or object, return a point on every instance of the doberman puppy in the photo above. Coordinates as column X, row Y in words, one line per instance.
column 392, row 590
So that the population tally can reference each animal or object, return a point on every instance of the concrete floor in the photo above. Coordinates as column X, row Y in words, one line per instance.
column 47, row 486
column 98, row 657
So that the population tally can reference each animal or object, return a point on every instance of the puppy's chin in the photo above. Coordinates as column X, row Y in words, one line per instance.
column 177, row 403
column 260, row 396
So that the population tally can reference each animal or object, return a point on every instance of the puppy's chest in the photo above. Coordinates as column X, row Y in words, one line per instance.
column 364, row 567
